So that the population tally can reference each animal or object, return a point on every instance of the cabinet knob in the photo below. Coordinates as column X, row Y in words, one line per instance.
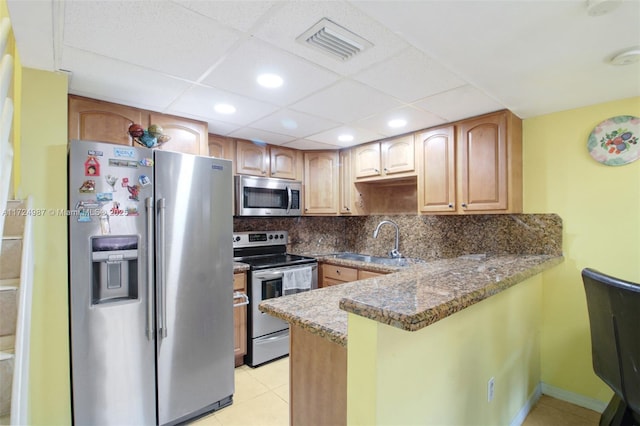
column 338, row 271
column 347, row 208
column 376, row 170
column 264, row 172
column 450, row 205
column 386, row 170
column 464, row 205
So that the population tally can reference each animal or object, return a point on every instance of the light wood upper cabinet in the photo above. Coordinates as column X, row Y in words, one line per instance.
column 220, row 147
column 366, row 160
column 283, row 162
column 321, row 182
column 347, row 189
column 187, row 136
column 490, row 163
column 435, row 150
column 267, row 160
column 472, row 167
column 94, row 120
column 391, row 158
column 251, row 158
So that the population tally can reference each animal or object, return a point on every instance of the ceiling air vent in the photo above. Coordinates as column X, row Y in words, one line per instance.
column 334, row 40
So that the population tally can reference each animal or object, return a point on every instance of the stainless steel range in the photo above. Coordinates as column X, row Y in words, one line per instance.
column 272, row 273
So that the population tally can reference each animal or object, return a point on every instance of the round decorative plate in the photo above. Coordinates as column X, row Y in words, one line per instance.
column 614, row 142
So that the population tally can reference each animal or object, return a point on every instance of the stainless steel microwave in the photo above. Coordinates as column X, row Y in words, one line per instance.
column 260, row 196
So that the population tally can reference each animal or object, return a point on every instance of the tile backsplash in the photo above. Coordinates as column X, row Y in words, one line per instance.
column 425, row 237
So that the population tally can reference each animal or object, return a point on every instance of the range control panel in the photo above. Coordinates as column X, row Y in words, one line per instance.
column 261, row 238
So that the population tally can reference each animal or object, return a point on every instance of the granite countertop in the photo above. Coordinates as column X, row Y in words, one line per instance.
column 411, row 298
column 240, row 267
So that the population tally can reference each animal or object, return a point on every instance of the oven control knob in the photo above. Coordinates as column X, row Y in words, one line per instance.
column 282, row 236
column 237, row 238
column 271, row 237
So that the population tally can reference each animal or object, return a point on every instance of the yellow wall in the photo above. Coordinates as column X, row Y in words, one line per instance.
column 438, row 375
column 44, row 176
column 600, row 209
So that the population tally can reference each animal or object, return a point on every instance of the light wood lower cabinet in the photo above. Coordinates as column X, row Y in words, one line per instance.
column 335, row 274
column 239, row 319
column 317, row 380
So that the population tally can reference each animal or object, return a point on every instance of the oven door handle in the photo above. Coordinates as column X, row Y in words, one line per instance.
column 268, row 275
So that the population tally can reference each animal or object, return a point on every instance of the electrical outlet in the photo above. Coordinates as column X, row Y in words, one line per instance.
column 490, row 389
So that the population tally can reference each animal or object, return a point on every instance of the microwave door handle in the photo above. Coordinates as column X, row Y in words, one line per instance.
column 289, row 197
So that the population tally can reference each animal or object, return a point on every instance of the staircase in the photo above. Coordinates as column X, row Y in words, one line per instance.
column 16, row 269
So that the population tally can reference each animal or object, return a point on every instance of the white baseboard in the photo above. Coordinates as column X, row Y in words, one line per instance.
column 529, row 404
column 574, row 398
column 561, row 394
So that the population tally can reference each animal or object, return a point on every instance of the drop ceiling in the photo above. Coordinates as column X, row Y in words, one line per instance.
column 430, row 62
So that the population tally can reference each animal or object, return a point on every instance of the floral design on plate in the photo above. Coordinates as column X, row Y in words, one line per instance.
column 614, row 142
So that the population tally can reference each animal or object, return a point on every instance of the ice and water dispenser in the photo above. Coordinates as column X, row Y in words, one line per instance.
column 115, row 268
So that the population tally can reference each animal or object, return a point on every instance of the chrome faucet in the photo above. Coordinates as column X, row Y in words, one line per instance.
column 393, row 253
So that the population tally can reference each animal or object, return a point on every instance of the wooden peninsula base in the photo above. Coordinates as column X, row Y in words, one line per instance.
column 318, row 380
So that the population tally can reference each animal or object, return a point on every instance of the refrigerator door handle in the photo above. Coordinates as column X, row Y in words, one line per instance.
column 150, row 216
column 162, row 260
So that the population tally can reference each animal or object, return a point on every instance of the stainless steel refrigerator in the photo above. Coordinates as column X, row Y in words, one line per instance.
column 151, row 284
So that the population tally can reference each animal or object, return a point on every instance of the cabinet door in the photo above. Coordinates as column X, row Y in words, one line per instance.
column 283, row 162
column 398, row 155
column 437, row 181
column 482, row 150
column 187, row 136
column 94, row 120
column 321, row 182
column 239, row 320
column 366, row 159
column 363, row 274
column 251, row 158
column 220, row 147
column 346, row 182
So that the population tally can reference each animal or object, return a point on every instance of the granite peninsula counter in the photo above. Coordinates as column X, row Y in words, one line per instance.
column 411, row 298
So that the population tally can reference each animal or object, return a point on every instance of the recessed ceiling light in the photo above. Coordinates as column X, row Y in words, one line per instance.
column 270, row 81
column 224, row 108
column 289, row 123
column 345, row 138
column 398, row 122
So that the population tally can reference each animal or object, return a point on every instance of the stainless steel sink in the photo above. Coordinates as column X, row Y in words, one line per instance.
column 399, row 262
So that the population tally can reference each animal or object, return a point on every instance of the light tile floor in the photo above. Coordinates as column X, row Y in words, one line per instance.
column 262, row 399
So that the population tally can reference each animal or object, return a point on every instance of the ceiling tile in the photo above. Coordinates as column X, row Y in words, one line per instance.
column 360, row 135
column 221, row 128
column 306, row 144
column 295, row 17
column 416, row 120
column 293, row 123
column 409, row 76
column 199, row 101
column 258, row 135
column 238, row 72
column 119, row 82
column 345, row 102
column 241, row 15
column 459, row 103
column 154, row 34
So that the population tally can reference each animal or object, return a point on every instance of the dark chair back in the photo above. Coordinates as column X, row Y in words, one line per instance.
column 614, row 317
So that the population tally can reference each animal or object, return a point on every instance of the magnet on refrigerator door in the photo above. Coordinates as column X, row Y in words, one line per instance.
column 88, row 186
column 92, row 167
column 144, row 180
